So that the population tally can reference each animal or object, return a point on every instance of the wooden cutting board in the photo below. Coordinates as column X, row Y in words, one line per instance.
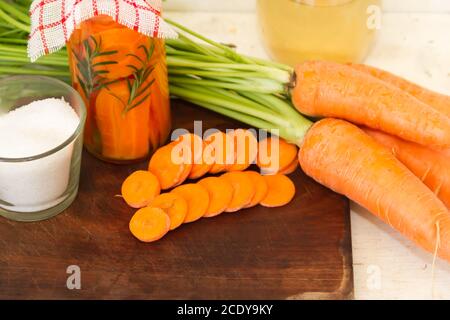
column 300, row 251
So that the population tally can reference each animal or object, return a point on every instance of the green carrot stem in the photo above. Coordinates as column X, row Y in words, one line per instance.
column 22, row 57
column 225, row 49
column 257, row 81
column 6, row 25
column 12, row 48
column 14, row 51
column 43, row 61
column 5, row 40
column 203, row 50
column 43, row 72
column 293, row 133
column 15, row 11
column 216, row 96
column 181, row 47
column 14, row 22
column 273, row 64
column 190, row 55
column 272, row 73
column 10, row 32
column 189, row 92
column 217, row 74
column 18, row 48
column 252, row 121
column 230, row 96
column 278, row 104
column 243, row 86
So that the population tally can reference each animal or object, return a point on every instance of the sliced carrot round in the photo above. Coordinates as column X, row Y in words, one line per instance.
column 169, row 168
column 140, row 188
column 220, row 194
column 172, row 204
column 149, row 224
column 245, row 149
column 178, row 154
column 197, row 198
column 194, row 146
column 290, row 168
column 201, row 167
column 243, row 190
column 273, row 158
column 260, row 185
column 281, row 191
column 219, row 148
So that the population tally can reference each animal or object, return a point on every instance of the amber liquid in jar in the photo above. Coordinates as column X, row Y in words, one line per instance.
column 338, row 30
column 122, row 77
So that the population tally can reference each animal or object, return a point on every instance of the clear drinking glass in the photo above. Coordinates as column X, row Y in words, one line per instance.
column 40, row 186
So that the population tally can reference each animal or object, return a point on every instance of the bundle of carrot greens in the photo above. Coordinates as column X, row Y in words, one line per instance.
column 366, row 147
column 232, row 84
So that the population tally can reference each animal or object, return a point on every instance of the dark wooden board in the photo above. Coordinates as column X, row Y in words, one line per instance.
column 300, row 251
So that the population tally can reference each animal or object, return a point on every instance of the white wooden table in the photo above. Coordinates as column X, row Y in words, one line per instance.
column 386, row 265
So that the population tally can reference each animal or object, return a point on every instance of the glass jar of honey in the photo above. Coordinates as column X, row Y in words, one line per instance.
column 122, row 76
column 339, row 30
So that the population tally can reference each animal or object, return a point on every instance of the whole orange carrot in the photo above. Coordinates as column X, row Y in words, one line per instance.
column 342, row 157
column 334, row 152
column 432, row 167
column 328, row 89
column 436, row 100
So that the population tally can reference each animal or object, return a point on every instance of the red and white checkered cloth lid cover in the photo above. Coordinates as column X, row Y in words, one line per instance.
column 53, row 21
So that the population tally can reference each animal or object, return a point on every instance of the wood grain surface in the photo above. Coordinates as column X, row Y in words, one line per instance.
column 300, row 251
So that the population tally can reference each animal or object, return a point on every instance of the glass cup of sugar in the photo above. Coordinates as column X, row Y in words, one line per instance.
column 41, row 129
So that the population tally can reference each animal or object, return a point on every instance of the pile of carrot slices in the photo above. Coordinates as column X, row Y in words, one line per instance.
column 232, row 188
column 190, row 157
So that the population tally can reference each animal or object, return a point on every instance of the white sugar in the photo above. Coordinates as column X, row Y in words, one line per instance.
column 36, row 128
column 31, row 130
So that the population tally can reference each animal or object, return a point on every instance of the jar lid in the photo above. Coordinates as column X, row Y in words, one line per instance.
column 52, row 22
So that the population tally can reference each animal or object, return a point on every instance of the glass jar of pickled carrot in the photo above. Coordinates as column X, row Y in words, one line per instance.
column 338, row 30
column 122, row 76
